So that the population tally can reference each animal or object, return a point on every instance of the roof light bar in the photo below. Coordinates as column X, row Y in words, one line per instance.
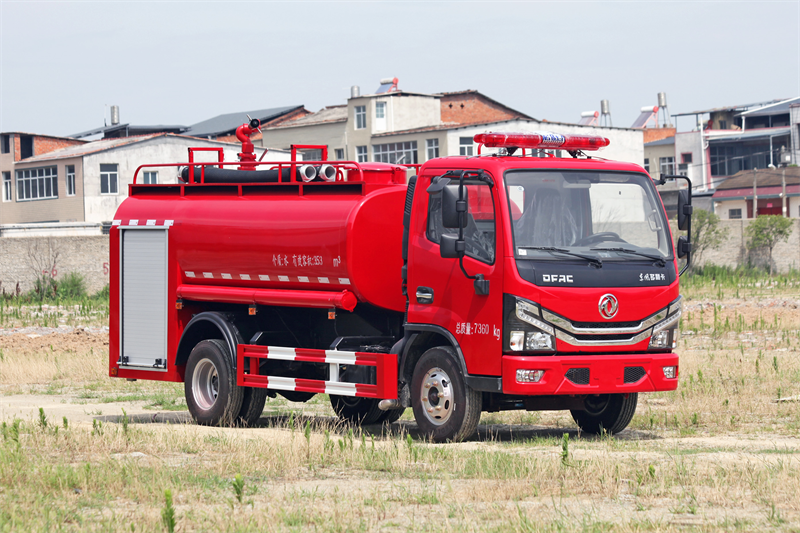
column 543, row 140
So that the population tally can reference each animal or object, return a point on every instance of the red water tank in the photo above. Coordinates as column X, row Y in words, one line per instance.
column 321, row 237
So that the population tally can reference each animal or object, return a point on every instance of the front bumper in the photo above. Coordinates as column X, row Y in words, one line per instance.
column 607, row 374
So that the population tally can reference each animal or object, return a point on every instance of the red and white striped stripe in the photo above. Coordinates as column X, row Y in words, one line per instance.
column 150, row 222
column 322, row 280
column 387, row 381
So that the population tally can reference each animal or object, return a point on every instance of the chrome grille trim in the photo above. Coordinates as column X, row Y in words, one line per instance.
column 566, row 337
column 565, row 324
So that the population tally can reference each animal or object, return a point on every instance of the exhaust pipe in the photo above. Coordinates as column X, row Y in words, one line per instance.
column 326, row 172
column 385, row 405
column 307, row 173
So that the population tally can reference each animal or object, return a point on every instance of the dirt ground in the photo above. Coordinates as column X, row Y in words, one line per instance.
column 722, row 451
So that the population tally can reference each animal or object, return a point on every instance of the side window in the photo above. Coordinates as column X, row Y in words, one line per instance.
column 479, row 233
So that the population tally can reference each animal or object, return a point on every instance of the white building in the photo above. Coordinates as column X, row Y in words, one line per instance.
column 87, row 183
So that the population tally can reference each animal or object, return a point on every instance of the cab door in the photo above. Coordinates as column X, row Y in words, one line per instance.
column 439, row 292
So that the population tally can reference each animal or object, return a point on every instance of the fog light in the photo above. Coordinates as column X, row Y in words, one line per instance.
column 517, row 340
column 529, row 376
column 670, row 372
column 660, row 339
column 537, row 340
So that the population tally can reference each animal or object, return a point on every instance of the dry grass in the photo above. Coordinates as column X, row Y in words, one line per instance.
column 718, row 454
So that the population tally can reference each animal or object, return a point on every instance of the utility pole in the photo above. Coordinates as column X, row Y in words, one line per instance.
column 755, row 194
column 783, row 191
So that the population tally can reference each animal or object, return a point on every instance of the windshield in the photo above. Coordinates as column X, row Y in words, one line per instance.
column 589, row 213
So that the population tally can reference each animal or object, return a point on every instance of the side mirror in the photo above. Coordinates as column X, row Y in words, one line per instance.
column 452, row 206
column 450, row 247
column 684, row 210
column 684, row 247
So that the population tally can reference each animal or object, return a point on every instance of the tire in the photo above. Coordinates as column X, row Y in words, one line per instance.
column 391, row 416
column 438, row 383
column 609, row 412
column 212, row 395
column 253, row 400
column 355, row 410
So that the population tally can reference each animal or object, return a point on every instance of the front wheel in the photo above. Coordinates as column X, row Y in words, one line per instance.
column 445, row 407
column 606, row 412
column 212, row 395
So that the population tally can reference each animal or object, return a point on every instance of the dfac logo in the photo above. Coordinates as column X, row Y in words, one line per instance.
column 608, row 306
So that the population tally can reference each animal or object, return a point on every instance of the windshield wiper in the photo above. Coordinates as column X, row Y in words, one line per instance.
column 592, row 260
column 658, row 260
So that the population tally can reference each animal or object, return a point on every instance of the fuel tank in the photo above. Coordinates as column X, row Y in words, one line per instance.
column 327, row 236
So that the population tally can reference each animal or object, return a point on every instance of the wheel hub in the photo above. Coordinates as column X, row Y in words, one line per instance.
column 437, row 396
column 205, row 384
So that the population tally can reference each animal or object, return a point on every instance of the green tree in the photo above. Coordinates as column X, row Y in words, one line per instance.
column 707, row 234
column 766, row 231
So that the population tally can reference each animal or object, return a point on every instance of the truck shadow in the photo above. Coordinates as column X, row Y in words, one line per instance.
column 401, row 428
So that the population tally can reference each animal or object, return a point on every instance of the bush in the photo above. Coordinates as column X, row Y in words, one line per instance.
column 71, row 286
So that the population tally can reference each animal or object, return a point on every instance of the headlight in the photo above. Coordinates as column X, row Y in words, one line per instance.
column 527, row 332
column 665, row 333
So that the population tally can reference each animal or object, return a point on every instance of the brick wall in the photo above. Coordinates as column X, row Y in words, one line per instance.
column 43, row 145
column 656, row 134
column 85, row 255
column 469, row 108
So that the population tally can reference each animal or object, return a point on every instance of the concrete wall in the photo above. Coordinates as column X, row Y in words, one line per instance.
column 655, row 153
column 85, row 255
column 331, row 134
column 733, row 252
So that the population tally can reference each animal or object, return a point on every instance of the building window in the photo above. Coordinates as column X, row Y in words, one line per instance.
column 361, row 117
column 380, row 110
column 686, row 158
column 734, row 214
column 25, row 146
column 312, row 155
column 150, row 178
column 666, row 165
column 723, row 124
column 400, row 153
column 340, row 154
column 647, row 165
column 5, row 144
column 361, row 154
column 70, row 169
column 433, row 148
column 109, row 179
column 6, row 186
column 465, row 145
column 37, row 184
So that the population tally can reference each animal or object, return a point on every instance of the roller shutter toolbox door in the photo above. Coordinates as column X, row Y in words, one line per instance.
column 144, row 298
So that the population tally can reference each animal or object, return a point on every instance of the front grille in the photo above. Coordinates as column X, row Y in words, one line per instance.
column 615, row 337
column 579, row 376
column 634, row 374
column 605, row 325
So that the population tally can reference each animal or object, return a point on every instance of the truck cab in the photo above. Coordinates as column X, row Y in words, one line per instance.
column 563, row 293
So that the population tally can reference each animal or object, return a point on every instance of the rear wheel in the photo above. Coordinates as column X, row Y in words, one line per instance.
column 445, row 407
column 609, row 412
column 212, row 395
column 253, row 400
column 356, row 410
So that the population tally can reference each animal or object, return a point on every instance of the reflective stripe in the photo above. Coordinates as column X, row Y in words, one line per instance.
column 340, row 388
column 280, row 383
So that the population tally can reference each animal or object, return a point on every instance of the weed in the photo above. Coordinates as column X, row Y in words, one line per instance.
column 168, row 512
column 42, row 418
column 238, row 487
column 565, row 449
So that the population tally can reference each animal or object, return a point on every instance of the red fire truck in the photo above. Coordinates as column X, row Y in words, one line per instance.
column 508, row 280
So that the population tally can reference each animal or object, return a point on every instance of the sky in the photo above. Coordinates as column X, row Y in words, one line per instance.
column 62, row 64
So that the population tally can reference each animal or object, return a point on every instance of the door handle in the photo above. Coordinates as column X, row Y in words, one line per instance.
column 424, row 295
